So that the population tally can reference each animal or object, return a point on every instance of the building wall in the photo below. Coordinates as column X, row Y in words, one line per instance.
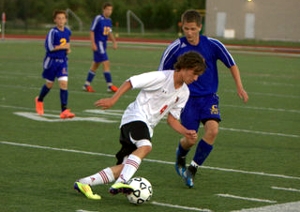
column 268, row 19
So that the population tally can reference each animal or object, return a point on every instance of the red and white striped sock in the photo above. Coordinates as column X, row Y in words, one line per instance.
column 130, row 167
column 103, row 177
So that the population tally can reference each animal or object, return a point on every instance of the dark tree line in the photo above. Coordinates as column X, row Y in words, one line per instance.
column 155, row 14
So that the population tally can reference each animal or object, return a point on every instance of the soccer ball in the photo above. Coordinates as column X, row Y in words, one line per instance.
column 142, row 190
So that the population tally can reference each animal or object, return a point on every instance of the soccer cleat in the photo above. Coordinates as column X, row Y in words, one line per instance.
column 189, row 176
column 88, row 88
column 180, row 165
column 66, row 114
column 39, row 107
column 120, row 188
column 86, row 190
column 112, row 88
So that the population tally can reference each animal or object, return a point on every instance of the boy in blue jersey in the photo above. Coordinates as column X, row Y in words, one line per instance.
column 100, row 31
column 203, row 104
column 57, row 45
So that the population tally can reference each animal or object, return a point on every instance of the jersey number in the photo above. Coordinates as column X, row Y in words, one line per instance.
column 63, row 41
column 106, row 30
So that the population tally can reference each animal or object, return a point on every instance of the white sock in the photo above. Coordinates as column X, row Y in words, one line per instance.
column 103, row 177
column 130, row 167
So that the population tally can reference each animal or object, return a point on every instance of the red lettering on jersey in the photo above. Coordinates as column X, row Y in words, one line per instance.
column 163, row 109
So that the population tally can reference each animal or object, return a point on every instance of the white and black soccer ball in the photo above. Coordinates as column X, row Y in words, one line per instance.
column 142, row 190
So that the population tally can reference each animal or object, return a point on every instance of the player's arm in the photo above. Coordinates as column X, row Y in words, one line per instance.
column 92, row 38
column 238, row 82
column 109, row 102
column 178, row 127
column 169, row 57
column 113, row 40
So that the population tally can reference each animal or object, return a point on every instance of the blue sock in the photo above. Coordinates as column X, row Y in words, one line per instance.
column 43, row 93
column 90, row 76
column 202, row 152
column 181, row 152
column 64, row 99
column 107, row 77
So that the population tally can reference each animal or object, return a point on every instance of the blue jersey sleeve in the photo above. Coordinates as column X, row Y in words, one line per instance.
column 222, row 53
column 169, row 56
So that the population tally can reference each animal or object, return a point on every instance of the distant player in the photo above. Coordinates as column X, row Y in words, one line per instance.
column 161, row 94
column 203, row 104
column 100, row 31
column 57, row 45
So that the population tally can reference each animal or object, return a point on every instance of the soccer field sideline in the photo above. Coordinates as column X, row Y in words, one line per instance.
column 286, row 207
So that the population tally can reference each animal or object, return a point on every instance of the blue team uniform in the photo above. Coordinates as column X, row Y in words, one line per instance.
column 101, row 27
column 203, row 102
column 56, row 62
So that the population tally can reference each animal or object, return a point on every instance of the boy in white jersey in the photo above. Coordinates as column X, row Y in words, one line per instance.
column 162, row 93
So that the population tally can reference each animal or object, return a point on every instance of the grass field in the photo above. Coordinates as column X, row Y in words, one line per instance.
column 255, row 162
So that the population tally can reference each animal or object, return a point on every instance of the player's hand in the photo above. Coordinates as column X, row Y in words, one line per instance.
column 104, row 103
column 243, row 95
column 94, row 47
column 115, row 45
column 191, row 135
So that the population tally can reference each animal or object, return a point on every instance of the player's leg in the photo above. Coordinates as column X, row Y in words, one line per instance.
column 49, row 75
column 62, row 77
column 189, row 119
column 108, row 77
column 136, row 141
column 91, row 74
column 210, row 118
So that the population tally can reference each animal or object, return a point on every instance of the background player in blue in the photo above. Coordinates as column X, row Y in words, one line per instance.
column 57, row 45
column 100, row 30
column 203, row 102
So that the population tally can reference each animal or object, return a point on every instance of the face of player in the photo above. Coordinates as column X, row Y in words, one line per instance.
column 107, row 12
column 191, row 32
column 60, row 20
column 188, row 76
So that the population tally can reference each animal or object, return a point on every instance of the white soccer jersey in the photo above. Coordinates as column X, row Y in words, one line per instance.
column 157, row 97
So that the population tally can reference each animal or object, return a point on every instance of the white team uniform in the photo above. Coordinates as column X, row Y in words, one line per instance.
column 157, row 97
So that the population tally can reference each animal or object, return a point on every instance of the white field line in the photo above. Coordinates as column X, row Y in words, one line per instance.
column 286, row 189
column 246, row 198
column 180, row 207
column 148, row 160
column 285, row 207
column 118, row 113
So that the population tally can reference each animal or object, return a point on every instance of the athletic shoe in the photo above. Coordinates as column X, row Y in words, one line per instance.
column 39, row 107
column 66, row 114
column 86, row 190
column 180, row 164
column 120, row 188
column 189, row 176
column 112, row 88
column 88, row 88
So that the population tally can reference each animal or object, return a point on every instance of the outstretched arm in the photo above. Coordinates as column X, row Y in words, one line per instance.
column 109, row 102
column 238, row 82
column 178, row 127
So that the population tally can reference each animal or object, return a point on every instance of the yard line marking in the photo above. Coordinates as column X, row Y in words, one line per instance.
column 285, row 207
column 246, row 198
column 180, row 207
column 146, row 159
column 259, row 132
column 285, row 189
column 261, row 108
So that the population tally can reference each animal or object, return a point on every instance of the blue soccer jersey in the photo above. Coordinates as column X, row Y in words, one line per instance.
column 54, row 38
column 212, row 50
column 101, row 27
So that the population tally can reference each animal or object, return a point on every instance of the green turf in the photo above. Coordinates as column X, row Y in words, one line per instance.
column 257, row 147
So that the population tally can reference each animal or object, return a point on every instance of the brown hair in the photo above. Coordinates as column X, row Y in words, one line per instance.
column 56, row 12
column 106, row 4
column 191, row 60
column 191, row 16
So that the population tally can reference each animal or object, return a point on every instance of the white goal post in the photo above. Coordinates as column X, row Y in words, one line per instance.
column 130, row 13
column 69, row 11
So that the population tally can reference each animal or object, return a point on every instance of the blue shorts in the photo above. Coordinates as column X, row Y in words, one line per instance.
column 200, row 109
column 100, row 55
column 54, row 68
